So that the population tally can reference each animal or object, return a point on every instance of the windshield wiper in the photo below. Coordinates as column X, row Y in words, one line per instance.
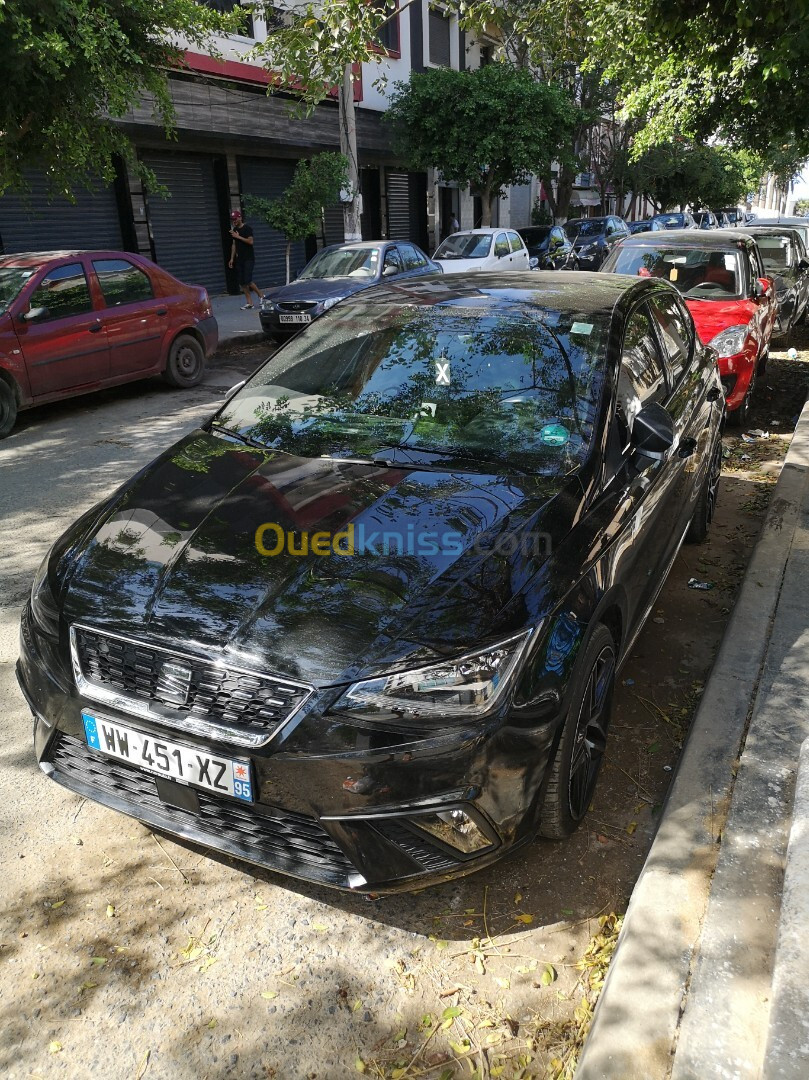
column 239, row 437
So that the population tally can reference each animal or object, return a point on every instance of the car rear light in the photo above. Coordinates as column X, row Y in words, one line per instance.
column 205, row 300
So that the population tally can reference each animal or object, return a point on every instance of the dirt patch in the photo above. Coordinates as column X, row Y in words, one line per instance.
column 126, row 955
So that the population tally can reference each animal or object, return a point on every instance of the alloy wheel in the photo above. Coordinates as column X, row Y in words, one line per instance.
column 590, row 740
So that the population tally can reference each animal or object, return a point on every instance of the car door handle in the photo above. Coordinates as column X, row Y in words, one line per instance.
column 162, row 311
column 95, row 328
column 687, row 447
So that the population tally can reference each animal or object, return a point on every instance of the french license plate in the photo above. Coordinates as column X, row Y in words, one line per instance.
column 224, row 776
column 295, row 318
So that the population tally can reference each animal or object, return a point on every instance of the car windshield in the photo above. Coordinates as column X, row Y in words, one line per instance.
column 12, row 282
column 343, row 262
column 672, row 221
column 696, row 272
column 703, row 219
column 465, row 246
column 776, row 251
column 639, row 226
column 534, row 238
column 585, row 227
column 448, row 386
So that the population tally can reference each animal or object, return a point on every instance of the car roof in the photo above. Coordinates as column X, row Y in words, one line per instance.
column 715, row 238
column 36, row 258
column 583, row 293
column 482, row 229
column 356, row 245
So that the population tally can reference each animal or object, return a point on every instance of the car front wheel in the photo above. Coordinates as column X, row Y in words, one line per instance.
column 739, row 417
column 8, row 408
column 186, row 363
column 584, row 739
column 706, row 502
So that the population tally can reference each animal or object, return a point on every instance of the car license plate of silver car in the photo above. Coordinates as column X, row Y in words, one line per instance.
column 164, row 757
column 295, row 318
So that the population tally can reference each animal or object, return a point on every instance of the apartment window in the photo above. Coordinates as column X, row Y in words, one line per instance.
column 388, row 34
column 439, row 27
column 230, row 5
column 485, row 55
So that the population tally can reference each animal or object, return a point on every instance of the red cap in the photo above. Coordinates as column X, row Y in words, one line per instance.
column 236, row 215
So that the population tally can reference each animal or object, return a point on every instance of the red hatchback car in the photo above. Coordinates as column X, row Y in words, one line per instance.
column 75, row 321
column 723, row 281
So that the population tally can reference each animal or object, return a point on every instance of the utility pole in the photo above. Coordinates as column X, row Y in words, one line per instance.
column 351, row 199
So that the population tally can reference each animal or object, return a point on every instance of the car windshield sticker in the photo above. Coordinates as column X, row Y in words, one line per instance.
column 584, row 328
column 442, row 372
column 427, row 408
column 730, row 260
column 554, row 435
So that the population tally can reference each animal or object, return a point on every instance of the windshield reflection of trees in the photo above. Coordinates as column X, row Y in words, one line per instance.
column 479, row 386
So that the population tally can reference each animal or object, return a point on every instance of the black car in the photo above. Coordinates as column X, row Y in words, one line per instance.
column 550, row 246
column 682, row 220
column 645, row 225
column 706, row 219
column 594, row 238
column 336, row 272
column 363, row 626
column 786, row 263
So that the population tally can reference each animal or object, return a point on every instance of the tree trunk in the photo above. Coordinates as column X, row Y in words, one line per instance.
column 288, row 252
column 486, row 207
column 564, row 193
column 352, row 228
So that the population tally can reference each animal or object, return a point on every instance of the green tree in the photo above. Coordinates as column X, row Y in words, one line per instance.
column 680, row 173
column 486, row 128
column 73, row 67
column 298, row 212
column 802, row 208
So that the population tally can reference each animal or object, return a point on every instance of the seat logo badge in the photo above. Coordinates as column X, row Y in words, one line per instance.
column 173, row 683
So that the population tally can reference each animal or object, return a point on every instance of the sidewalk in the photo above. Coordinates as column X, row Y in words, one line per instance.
column 709, row 977
column 236, row 327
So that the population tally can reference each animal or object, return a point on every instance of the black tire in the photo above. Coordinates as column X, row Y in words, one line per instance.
column 186, row 363
column 706, row 502
column 584, row 738
column 761, row 367
column 739, row 417
column 8, row 408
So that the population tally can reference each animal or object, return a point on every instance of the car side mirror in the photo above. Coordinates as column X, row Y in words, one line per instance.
column 803, row 263
column 762, row 287
column 389, row 270
column 533, row 262
column 34, row 314
column 653, row 433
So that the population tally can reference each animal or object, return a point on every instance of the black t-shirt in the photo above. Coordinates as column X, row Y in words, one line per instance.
column 244, row 251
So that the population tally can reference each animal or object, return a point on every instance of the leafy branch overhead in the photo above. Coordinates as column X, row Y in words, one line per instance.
column 488, row 128
column 70, row 67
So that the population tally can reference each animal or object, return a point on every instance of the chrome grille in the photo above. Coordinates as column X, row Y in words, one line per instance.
column 297, row 305
column 237, row 705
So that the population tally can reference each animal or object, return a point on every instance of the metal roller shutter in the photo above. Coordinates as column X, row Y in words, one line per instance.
column 268, row 179
column 397, row 190
column 187, row 227
column 33, row 223
column 334, row 221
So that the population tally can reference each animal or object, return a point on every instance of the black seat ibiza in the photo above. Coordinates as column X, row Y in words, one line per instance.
column 363, row 626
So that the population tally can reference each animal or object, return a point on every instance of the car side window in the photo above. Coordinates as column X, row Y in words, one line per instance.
column 756, row 267
column 676, row 333
column 516, row 243
column 641, row 378
column 121, row 282
column 409, row 257
column 501, row 245
column 63, row 292
column 392, row 259
column 557, row 236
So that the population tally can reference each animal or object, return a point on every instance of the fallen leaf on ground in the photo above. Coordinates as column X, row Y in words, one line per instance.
column 54, row 1047
column 268, row 995
column 110, row 911
column 99, row 961
column 58, row 904
column 527, row 919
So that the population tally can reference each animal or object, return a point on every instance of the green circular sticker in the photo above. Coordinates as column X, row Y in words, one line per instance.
column 554, row 435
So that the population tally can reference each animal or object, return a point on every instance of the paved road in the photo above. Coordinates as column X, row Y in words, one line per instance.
column 123, row 954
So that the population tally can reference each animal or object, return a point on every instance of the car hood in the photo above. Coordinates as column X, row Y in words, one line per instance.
column 318, row 289
column 713, row 316
column 172, row 558
column 463, row 266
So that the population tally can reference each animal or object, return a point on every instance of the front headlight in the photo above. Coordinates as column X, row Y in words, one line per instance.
column 43, row 606
column 267, row 305
column 730, row 341
column 450, row 691
column 332, row 300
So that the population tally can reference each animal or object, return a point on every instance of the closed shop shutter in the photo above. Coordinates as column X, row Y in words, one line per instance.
column 268, row 178
column 334, row 221
column 32, row 223
column 187, row 227
column 417, row 196
column 397, row 190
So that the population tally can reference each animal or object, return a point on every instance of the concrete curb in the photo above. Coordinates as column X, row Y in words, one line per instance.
column 635, row 1026
column 787, row 1053
column 238, row 341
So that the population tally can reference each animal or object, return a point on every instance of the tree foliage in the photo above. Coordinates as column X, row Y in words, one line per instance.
column 679, row 173
column 297, row 213
column 485, row 128
column 70, row 67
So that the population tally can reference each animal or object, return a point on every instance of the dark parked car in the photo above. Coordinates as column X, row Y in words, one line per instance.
column 363, row 626
column 550, row 246
column 646, row 225
column 594, row 238
column 676, row 220
column 735, row 217
column 785, row 261
column 722, row 280
column 76, row 321
column 796, row 224
column 706, row 219
column 335, row 273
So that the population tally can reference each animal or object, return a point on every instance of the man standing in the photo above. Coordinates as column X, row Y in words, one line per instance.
column 243, row 255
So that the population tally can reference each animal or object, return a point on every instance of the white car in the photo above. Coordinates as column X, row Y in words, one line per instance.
column 482, row 249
